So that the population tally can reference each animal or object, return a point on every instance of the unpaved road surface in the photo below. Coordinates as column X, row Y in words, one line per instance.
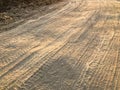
column 76, row 47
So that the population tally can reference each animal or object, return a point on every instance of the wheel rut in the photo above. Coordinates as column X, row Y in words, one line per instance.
column 73, row 48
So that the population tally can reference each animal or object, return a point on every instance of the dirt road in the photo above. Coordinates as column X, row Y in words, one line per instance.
column 76, row 47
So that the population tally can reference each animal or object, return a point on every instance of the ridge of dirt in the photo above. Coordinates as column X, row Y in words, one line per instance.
column 17, row 15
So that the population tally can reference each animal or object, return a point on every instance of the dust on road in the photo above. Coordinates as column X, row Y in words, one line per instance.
column 74, row 48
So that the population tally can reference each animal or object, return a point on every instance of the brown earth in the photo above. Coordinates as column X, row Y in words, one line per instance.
column 14, row 12
column 8, row 4
column 74, row 47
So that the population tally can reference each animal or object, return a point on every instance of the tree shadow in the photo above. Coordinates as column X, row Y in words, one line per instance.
column 57, row 75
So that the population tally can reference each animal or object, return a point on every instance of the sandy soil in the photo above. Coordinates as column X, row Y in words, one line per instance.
column 75, row 47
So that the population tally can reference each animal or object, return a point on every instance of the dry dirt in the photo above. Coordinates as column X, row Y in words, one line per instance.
column 15, row 13
column 75, row 47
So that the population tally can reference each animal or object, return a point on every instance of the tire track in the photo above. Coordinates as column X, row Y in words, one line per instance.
column 82, row 49
column 62, row 38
